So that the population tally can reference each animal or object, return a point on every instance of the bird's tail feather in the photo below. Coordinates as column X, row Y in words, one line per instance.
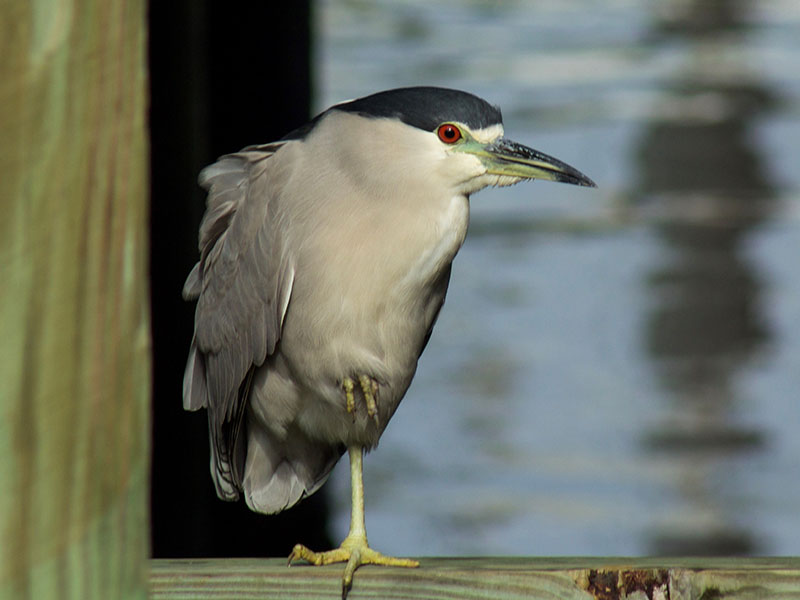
column 278, row 475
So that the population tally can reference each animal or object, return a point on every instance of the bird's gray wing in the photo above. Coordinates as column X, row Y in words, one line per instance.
column 242, row 284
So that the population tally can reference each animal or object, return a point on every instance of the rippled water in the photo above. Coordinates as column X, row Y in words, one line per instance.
column 615, row 371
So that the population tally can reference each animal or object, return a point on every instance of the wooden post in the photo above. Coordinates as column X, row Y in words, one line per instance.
column 74, row 322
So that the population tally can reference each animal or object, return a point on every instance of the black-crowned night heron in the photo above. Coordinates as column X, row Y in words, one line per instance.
column 324, row 261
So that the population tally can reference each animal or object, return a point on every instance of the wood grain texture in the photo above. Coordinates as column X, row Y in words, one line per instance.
column 485, row 578
column 74, row 348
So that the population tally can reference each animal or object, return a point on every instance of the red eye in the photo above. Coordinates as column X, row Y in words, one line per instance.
column 449, row 134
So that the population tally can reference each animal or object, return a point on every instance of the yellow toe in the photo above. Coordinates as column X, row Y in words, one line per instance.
column 355, row 552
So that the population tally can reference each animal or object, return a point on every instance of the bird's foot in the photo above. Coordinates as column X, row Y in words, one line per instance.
column 369, row 388
column 355, row 551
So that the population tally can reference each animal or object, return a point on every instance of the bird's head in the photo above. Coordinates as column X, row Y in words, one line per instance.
column 420, row 136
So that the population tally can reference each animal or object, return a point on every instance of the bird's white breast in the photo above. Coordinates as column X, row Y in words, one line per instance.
column 445, row 234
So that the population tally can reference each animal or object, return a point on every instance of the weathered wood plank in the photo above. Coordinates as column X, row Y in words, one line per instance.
column 74, row 331
column 485, row 578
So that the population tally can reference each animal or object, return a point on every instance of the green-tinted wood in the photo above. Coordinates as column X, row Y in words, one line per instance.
column 484, row 578
column 74, row 335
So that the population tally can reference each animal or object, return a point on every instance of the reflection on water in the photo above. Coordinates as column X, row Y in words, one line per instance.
column 614, row 371
column 706, row 179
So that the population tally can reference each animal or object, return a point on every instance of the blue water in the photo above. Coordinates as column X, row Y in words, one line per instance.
column 615, row 371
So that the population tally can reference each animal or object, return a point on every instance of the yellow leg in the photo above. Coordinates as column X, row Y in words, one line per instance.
column 354, row 549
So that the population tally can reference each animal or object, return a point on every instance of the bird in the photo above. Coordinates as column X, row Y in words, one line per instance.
column 324, row 261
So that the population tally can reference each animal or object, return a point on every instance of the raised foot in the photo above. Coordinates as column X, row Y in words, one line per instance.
column 369, row 388
column 355, row 553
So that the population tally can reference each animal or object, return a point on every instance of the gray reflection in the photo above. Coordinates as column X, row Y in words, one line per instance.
column 703, row 181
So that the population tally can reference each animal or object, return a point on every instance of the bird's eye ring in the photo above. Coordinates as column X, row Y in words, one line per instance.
column 449, row 133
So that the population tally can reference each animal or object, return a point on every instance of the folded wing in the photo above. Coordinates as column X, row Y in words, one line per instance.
column 242, row 284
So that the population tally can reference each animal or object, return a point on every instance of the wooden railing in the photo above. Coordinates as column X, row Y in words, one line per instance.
column 485, row 578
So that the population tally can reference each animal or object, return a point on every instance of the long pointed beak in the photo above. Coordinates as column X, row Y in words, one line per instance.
column 506, row 157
